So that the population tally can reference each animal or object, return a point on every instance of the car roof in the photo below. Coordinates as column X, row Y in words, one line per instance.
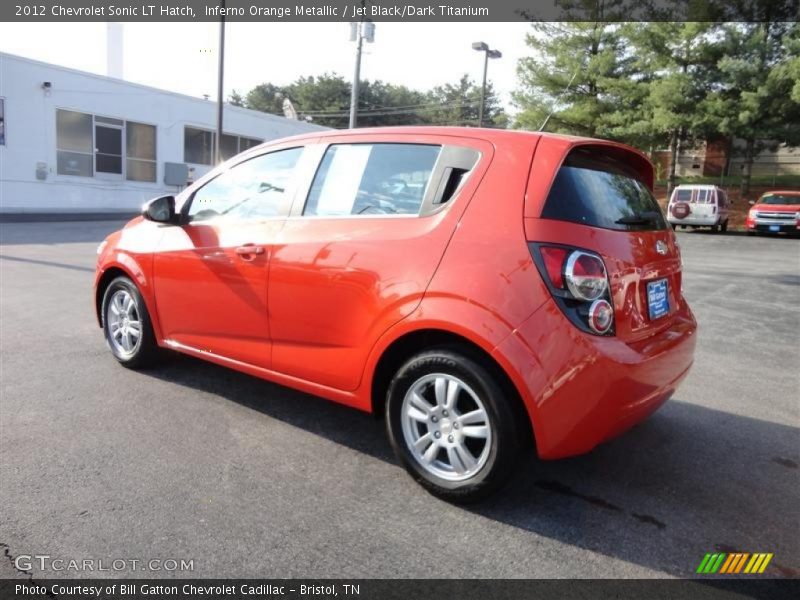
column 786, row 192
column 697, row 186
column 484, row 133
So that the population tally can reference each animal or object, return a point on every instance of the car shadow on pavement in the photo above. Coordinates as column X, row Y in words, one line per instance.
column 688, row 481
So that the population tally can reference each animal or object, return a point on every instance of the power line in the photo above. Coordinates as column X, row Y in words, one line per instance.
column 394, row 111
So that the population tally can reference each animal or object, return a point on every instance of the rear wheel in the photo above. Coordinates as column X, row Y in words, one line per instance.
column 674, row 226
column 715, row 228
column 126, row 325
column 451, row 425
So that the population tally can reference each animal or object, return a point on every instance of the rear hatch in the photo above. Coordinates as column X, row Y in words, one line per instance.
column 599, row 200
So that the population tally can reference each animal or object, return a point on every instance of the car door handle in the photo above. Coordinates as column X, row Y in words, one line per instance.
column 249, row 249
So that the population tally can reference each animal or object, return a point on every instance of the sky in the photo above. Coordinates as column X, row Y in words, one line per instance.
column 182, row 57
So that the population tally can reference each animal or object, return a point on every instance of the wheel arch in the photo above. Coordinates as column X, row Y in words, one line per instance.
column 136, row 275
column 105, row 279
column 412, row 342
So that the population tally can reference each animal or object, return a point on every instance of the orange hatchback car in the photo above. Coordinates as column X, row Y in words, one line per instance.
column 486, row 291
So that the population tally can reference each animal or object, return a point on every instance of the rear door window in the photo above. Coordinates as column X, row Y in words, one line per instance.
column 602, row 192
column 682, row 196
column 371, row 179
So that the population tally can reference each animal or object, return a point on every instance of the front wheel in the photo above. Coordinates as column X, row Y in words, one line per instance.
column 451, row 425
column 126, row 325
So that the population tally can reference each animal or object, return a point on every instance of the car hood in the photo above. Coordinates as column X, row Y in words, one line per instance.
column 787, row 208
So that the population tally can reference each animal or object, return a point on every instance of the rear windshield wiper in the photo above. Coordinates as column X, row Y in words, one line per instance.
column 640, row 218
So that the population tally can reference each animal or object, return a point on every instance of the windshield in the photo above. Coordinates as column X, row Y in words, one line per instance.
column 602, row 193
column 780, row 199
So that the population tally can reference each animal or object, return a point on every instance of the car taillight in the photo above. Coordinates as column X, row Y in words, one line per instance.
column 578, row 281
column 585, row 275
column 554, row 259
column 601, row 316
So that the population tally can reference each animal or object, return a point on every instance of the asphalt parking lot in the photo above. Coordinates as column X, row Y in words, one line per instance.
column 249, row 479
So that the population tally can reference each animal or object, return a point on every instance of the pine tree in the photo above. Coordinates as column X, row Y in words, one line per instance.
column 676, row 70
column 757, row 98
column 574, row 77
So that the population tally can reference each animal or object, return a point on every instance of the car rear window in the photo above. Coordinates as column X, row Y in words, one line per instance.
column 694, row 195
column 602, row 192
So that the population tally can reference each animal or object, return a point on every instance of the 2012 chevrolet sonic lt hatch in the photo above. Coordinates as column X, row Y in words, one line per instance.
column 487, row 291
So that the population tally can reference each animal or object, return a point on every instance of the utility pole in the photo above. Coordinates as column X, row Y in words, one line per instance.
column 364, row 30
column 220, row 75
column 488, row 53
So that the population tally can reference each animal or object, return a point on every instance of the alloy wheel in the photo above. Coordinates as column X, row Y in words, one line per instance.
column 446, row 427
column 123, row 322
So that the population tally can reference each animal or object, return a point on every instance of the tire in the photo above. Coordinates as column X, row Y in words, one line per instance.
column 715, row 228
column 123, row 308
column 674, row 226
column 450, row 464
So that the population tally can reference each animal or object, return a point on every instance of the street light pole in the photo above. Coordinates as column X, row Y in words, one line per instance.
column 488, row 53
column 221, row 73
column 483, row 88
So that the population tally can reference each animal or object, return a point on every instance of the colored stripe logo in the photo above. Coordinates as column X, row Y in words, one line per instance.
column 734, row 563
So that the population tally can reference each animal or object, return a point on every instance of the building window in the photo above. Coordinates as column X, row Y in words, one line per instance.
column 247, row 143
column 74, row 143
column 198, row 145
column 140, row 150
column 229, row 146
column 2, row 122
column 88, row 145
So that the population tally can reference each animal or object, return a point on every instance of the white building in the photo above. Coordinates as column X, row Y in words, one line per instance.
column 72, row 141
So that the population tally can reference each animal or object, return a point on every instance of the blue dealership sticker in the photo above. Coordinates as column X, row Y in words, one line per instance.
column 657, row 300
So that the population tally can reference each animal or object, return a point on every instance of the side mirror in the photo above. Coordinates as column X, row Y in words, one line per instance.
column 752, row 203
column 160, row 210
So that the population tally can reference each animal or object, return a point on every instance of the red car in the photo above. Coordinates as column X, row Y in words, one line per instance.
column 775, row 212
column 484, row 290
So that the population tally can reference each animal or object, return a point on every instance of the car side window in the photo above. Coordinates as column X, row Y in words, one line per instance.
column 253, row 189
column 371, row 179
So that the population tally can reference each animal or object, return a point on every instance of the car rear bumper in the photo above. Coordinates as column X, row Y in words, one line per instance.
column 581, row 389
column 695, row 221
